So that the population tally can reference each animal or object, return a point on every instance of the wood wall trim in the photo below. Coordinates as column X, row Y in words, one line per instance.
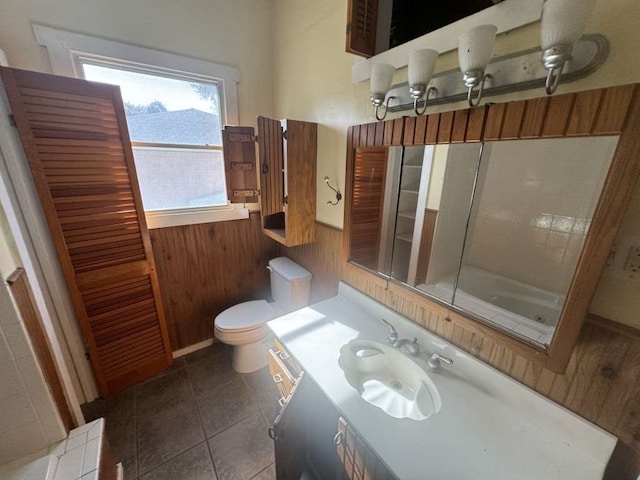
column 23, row 296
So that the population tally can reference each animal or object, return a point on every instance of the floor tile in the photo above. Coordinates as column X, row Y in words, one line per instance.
column 194, row 464
column 167, row 434
column 265, row 392
column 226, row 405
column 242, row 451
column 117, row 410
column 122, row 440
column 268, row 473
column 162, row 393
column 211, row 372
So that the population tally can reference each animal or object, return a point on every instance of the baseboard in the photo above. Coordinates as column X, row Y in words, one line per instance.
column 194, row 347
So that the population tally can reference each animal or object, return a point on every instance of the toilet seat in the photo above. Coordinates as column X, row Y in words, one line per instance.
column 245, row 316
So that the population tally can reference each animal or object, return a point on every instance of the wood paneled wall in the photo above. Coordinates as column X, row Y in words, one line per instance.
column 322, row 258
column 206, row 268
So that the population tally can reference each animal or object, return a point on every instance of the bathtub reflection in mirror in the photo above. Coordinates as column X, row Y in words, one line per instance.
column 531, row 212
column 494, row 229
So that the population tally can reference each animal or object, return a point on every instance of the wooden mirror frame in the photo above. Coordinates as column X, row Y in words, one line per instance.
column 602, row 112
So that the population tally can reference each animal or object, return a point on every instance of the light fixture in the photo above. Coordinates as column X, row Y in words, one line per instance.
column 562, row 24
column 381, row 78
column 474, row 51
column 338, row 194
column 421, row 65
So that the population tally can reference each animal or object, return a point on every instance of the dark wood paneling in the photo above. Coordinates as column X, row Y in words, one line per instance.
column 206, row 268
column 322, row 258
column 444, row 127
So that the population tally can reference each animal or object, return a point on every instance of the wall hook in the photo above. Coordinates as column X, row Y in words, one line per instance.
column 338, row 194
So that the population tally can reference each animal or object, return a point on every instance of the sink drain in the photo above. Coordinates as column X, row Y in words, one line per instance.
column 396, row 385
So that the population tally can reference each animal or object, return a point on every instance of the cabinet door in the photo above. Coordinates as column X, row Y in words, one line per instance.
column 239, row 149
column 369, row 177
column 270, row 147
column 362, row 20
column 288, row 433
column 358, row 461
column 76, row 141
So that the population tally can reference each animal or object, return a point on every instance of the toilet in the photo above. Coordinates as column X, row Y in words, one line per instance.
column 245, row 325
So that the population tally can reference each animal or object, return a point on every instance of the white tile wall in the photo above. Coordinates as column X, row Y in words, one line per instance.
column 29, row 421
column 534, row 207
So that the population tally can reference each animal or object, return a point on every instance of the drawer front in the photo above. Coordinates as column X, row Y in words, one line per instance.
column 293, row 367
column 280, row 374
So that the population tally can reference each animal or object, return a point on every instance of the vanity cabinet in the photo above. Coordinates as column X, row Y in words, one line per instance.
column 312, row 440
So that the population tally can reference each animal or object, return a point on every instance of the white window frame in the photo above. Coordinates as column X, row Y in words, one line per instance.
column 66, row 52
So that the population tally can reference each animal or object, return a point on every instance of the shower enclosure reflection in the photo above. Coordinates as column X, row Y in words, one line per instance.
column 493, row 229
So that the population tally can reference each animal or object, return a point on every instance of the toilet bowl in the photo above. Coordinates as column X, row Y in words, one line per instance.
column 244, row 326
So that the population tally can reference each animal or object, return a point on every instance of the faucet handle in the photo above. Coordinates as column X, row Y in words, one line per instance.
column 435, row 361
column 392, row 336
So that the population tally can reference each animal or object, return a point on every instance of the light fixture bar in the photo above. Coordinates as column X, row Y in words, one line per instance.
column 510, row 73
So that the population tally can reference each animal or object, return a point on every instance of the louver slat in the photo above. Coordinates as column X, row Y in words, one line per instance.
column 76, row 142
column 362, row 23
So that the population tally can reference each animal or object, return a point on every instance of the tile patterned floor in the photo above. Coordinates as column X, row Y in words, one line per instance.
column 199, row 420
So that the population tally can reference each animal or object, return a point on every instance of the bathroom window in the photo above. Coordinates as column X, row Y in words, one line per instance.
column 199, row 97
column 175, row 129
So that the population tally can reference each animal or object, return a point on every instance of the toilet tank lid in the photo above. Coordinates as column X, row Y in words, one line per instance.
column 245, row 315
column 289, row 269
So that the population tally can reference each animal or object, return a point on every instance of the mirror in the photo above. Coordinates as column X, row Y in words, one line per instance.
column 493, row 229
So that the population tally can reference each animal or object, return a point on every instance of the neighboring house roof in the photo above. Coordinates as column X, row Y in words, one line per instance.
column 190, row 127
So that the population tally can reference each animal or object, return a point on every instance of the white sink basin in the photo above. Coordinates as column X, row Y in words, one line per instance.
column 389, row 380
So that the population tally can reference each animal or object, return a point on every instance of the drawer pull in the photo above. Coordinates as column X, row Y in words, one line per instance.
column 272, row 433
column 337, row 440
column 277, row 378
column 282, row 401
column 284, row 355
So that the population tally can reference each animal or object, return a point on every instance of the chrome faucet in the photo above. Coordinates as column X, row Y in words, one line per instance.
column 435, row 362
column 392, row 336
column 411, row 346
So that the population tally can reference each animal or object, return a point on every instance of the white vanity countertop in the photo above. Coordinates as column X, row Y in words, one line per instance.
column 490, row 426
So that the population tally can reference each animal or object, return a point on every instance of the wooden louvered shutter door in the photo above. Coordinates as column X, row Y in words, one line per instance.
column 238, row 145
column 369, row 176
column 362, row 21
column 271, row 166
column 76, row 141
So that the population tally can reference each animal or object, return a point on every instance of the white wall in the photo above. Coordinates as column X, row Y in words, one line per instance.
column 29, row 421
column 235, row 33
column 313, row 82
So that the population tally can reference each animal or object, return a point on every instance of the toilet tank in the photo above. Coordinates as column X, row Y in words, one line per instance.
column 290, row 284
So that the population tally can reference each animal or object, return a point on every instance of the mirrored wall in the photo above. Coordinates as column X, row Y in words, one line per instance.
column 494, row 229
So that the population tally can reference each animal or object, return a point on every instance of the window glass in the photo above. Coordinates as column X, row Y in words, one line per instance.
column 175, row 130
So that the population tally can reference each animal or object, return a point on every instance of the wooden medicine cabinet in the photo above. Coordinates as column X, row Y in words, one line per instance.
column 503, row 215
column 286, row 175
